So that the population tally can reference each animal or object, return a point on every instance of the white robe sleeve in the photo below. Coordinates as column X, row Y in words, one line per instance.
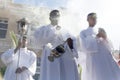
column 67, row 35
column 75, row 50
column 32, row 64
column 107, row 43
column 88, row 43
column 38, row 37
column 8, row 56
column 42, row 36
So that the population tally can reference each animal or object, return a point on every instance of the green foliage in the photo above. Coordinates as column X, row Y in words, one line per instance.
column 80, row 70
column 14, row 38
column 15, row 42
column 2, row 71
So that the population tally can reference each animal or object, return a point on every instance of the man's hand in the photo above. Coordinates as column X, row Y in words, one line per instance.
column 18, row 46
column 101, row 35
column 24, row 68
column 119, row 62
column 19, row 43
column 70, row 43
column 18, row 70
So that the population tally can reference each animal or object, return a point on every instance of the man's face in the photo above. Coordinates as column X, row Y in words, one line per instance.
column 92, row 21
column 54, row 19
column 24, row 42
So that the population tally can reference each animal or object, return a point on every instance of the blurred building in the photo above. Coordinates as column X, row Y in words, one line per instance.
column 10, row 13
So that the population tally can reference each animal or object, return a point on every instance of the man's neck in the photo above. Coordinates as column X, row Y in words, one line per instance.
column 54, row 24
column 23, row 47
column 91, row 26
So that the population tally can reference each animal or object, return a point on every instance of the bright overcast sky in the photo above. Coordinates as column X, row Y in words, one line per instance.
column 108, row 12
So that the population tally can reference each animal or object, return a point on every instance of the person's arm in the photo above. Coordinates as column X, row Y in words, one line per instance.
column 88, row 43
column 18, row 70
column 40, row 37
column 72, row 44
column 8, row 56
column 18, row 46
column 31, row 67
column 75, row 49
column 102, row 37
column 101, row 34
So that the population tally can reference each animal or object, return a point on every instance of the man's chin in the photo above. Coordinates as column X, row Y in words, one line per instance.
column 23, row 46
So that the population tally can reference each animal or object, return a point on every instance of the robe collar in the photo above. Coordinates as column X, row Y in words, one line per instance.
column 94, row 31
column 23, row 49
column 55, row 27
column 90, row 27
column 52, row 25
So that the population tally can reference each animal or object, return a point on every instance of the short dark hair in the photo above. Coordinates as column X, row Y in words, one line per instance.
column 54, row 12
column 92, row 15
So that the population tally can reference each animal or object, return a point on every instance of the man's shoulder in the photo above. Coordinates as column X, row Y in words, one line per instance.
column 9, row 50
column 83, row 31
column 40, row 28
column 32, row 53
column 44, row 27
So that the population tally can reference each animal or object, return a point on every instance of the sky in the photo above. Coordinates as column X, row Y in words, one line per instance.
column 108, row 13
column 48, row 3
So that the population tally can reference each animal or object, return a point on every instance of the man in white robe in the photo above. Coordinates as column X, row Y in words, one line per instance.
column 47, row 38
column 100, row 64
column 20, row 62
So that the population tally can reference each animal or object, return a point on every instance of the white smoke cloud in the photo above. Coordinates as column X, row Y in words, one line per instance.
column 107, row 13
column 75, row 11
